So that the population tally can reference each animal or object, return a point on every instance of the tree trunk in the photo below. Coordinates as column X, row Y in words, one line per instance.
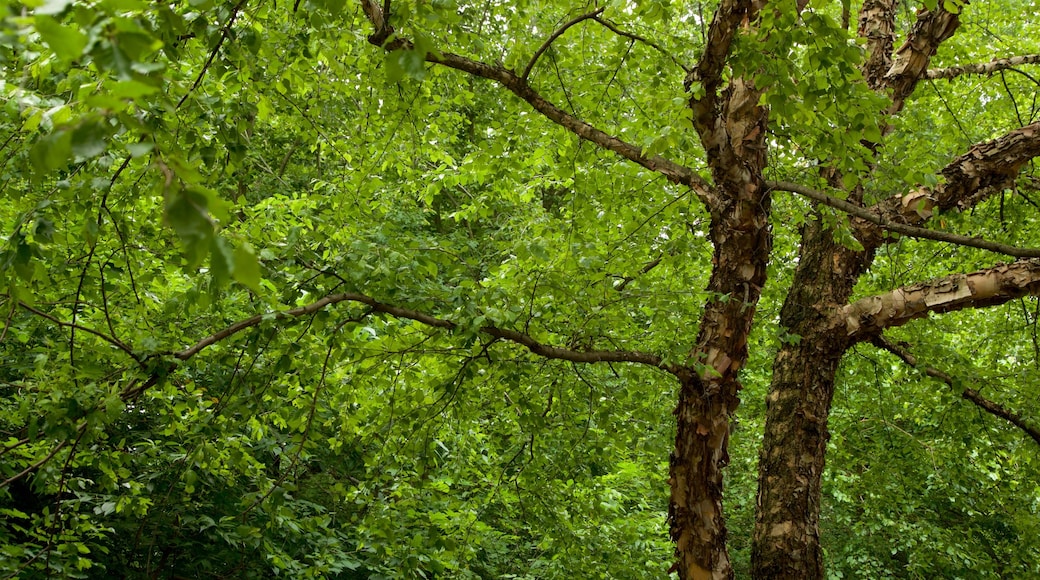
column 786, row 541
column 708, row 395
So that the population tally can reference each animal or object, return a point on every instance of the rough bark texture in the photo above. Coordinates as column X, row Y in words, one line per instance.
column 786, row 541
column 732, row 127
column 869, row 316
column 786, row 538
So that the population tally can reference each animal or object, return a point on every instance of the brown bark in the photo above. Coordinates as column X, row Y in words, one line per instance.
column 786, row 538
column 869, row 316
column 786, row 542
column 912, row 58
column 732, row 127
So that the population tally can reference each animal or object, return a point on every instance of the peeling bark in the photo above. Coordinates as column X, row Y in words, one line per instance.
column 869, row 316
column 733, row 128
column 984, row 68
column 877, row 21
column 912, row 58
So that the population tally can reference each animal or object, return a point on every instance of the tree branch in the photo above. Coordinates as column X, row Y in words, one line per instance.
column 541, row 349
column 984, row 68
column 109, row 339
column 517, row 85
column 613, row 28
column 869, row 316
column 877, row 219
column 559, row 32
column 912, row 58
column 877, row 24
column 728, row 18
column 972, row 395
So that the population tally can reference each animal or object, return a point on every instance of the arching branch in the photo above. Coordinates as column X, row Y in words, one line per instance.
column 539, row 348
column 991, row 407
column 559, row 32
column 519, row 86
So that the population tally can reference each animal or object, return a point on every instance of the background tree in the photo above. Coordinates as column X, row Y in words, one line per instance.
column 404, row 288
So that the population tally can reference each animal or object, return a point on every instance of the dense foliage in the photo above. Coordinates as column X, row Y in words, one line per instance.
column 266, row 287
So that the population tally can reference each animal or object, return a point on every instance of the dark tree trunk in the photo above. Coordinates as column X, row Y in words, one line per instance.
column 786, row 541
column 708, row 395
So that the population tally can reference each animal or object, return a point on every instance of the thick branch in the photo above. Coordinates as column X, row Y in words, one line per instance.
column 972, row 395
column 674, row 172
column 986, row 169
column 877, row 24
column 559, row 32
column 869, row 316
column 541, row 349
column 728, row 19
column 871, row 216
column 984, row 68
column 912, row 58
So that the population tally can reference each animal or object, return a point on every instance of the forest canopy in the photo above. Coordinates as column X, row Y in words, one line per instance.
column 519, row 289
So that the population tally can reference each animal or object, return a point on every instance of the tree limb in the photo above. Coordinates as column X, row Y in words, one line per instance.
column 109, row 339
column 912, row 58
column 559, row 32
column 868, row 316
column 902, row 228
column 613, row 28
column 536, row 347
column 877, row 20
column 984, row 68
column 972, row 395
column 517, row 85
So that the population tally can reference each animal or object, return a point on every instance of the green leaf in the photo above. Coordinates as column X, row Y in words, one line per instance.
column 53, row 7
column 52, row 151
column 246, row 268
column 88, row 140
column 67, row 42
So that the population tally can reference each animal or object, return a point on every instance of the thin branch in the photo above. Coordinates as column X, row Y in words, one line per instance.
column 34, row 466
column 558, row 33
column 541, row 349
column 972, row 395
column 907, row 230
column 983, row 68
column 613, row 28
column 109, row 339
column 508, row 79
column 646, row 268
column 225, row 31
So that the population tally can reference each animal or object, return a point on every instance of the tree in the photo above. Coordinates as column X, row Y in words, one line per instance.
column 377, row 215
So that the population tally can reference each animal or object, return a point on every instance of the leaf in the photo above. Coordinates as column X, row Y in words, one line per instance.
column 53, row 7
column 246, row 269
column 52, row 151
column 88, row 140
column 67, row 42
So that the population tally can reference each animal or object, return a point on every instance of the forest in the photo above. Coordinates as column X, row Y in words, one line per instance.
column 520, row 289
